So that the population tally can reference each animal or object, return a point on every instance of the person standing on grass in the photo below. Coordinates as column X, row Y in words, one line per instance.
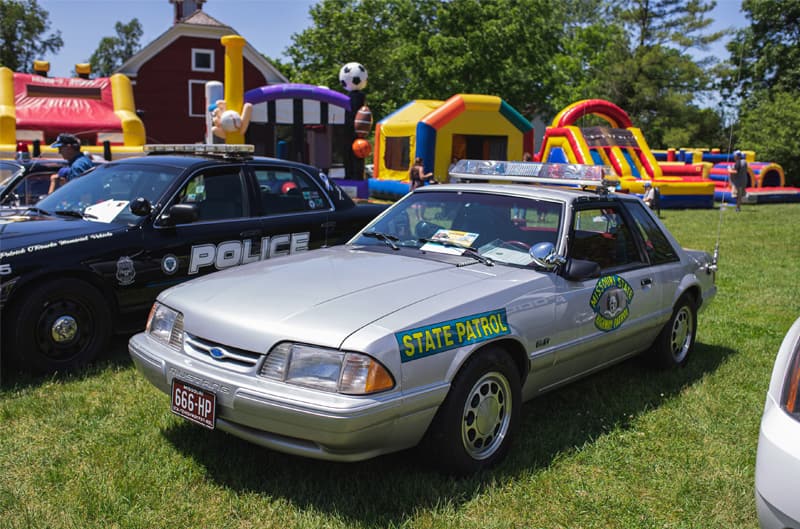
column 738, row 176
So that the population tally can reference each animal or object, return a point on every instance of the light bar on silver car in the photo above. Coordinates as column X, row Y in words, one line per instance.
column 533, row 172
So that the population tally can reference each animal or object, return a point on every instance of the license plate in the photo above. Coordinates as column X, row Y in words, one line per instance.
column 193, row 403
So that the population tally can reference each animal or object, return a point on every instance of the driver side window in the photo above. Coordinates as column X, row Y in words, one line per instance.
column 602, row 235
column 218, row 195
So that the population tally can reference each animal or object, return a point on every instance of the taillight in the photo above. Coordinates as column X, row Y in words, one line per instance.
column 790, row 400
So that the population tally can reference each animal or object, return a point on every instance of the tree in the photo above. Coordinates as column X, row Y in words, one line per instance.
column 766, row 54
column 429, row 49
column 769, row 127
column 656, row 80
column 112, row 52
column 22, row 26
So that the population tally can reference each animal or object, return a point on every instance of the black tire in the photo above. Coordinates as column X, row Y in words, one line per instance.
column 474, row 426
column 60, row 325
column 676, row 340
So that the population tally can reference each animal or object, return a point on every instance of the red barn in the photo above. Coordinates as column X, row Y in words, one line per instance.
column 170, row 73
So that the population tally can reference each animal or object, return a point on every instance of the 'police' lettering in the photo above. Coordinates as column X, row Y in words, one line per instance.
column 234, row 253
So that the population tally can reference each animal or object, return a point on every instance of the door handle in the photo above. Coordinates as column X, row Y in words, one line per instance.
column 249, row 233
column 646, row 282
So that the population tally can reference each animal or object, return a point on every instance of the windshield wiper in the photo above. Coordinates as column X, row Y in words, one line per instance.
column 37, row 210
column 385, row 237
column 76, row 214
column 469, row 251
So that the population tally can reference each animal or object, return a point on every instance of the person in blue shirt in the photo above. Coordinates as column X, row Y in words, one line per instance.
column 69, row 147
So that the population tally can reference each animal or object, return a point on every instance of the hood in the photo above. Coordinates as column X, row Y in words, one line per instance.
column 18, row 231
column 319, row 297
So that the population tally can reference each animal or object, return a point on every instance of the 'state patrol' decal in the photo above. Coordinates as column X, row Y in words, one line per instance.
column 611, row 302
column 433, row 339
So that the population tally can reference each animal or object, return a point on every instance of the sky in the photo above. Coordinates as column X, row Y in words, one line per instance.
column 268, row 25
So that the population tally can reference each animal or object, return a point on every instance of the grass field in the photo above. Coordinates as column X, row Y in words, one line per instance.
column 627, row 448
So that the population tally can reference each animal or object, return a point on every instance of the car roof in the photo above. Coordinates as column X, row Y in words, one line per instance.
column 189, row 160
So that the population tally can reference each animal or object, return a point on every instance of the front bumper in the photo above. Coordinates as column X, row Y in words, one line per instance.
column 778, row 469
column 292, row 419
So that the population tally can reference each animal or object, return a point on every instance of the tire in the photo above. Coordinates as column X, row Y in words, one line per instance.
column 60, row 325
column 676, row 340
column 474, row 426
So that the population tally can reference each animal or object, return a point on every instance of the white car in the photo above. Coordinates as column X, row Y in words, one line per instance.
column 433, row 324
column 778, row 456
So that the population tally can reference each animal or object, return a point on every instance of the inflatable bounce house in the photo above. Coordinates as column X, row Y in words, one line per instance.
column 35, row 108
column 766, row 182
column 317, row 122
column 621, row 147
column 478, row 127
column 684, row 180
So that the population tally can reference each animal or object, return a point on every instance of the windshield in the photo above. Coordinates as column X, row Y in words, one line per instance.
column 8, row 170
column 499, row 227
column 104, row 194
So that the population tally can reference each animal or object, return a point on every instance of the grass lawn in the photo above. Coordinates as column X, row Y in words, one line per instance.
column 626, row 448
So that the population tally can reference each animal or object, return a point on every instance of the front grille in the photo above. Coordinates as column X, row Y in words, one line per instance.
column 218, row 353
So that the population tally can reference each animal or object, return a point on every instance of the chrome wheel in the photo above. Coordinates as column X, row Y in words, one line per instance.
column 682, row 334
column 487, row 415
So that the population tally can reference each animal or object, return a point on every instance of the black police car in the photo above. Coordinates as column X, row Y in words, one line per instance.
column 90, row 258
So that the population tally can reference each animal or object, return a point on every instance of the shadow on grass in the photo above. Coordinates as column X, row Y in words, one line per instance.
column 386, row 490
column 116, row 357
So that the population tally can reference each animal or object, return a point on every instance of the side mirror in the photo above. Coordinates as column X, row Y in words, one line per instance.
column 580, row 270
column 141, row 207
column 544, row 255
column 182, row 214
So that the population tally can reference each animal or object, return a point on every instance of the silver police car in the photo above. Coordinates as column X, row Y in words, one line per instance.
column 434, row 323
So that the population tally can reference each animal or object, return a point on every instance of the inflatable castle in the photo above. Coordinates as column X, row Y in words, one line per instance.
column 35, row 108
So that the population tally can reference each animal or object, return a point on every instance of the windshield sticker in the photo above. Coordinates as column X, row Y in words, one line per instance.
column 105, row 211
column 611, row 301
column 433, row 339
column 125, row 271
column 452, row 239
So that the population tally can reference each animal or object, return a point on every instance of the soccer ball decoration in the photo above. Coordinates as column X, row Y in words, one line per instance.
column 230, row 121
column 353, row 76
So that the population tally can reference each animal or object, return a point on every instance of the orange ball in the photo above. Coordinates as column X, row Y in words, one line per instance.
column 361, row 148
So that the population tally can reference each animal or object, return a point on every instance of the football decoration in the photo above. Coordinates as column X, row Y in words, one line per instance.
column 362, row 121
column 361, row 148
column 353, row 76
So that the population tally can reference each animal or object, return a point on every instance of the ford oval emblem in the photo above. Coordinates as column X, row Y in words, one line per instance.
column 217, row 353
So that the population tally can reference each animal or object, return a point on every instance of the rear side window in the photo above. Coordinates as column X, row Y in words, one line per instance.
column 658, row 248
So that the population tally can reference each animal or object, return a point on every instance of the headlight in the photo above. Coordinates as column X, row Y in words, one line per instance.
column 790, row 400
column 165, row 325
column 326, row 369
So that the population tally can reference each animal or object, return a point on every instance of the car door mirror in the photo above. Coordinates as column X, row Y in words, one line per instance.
column 182, row 214
column 141, row 207
column 544, row 255
column 580, row 269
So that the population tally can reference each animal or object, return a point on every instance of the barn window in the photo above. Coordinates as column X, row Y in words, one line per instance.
column 202, row 60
